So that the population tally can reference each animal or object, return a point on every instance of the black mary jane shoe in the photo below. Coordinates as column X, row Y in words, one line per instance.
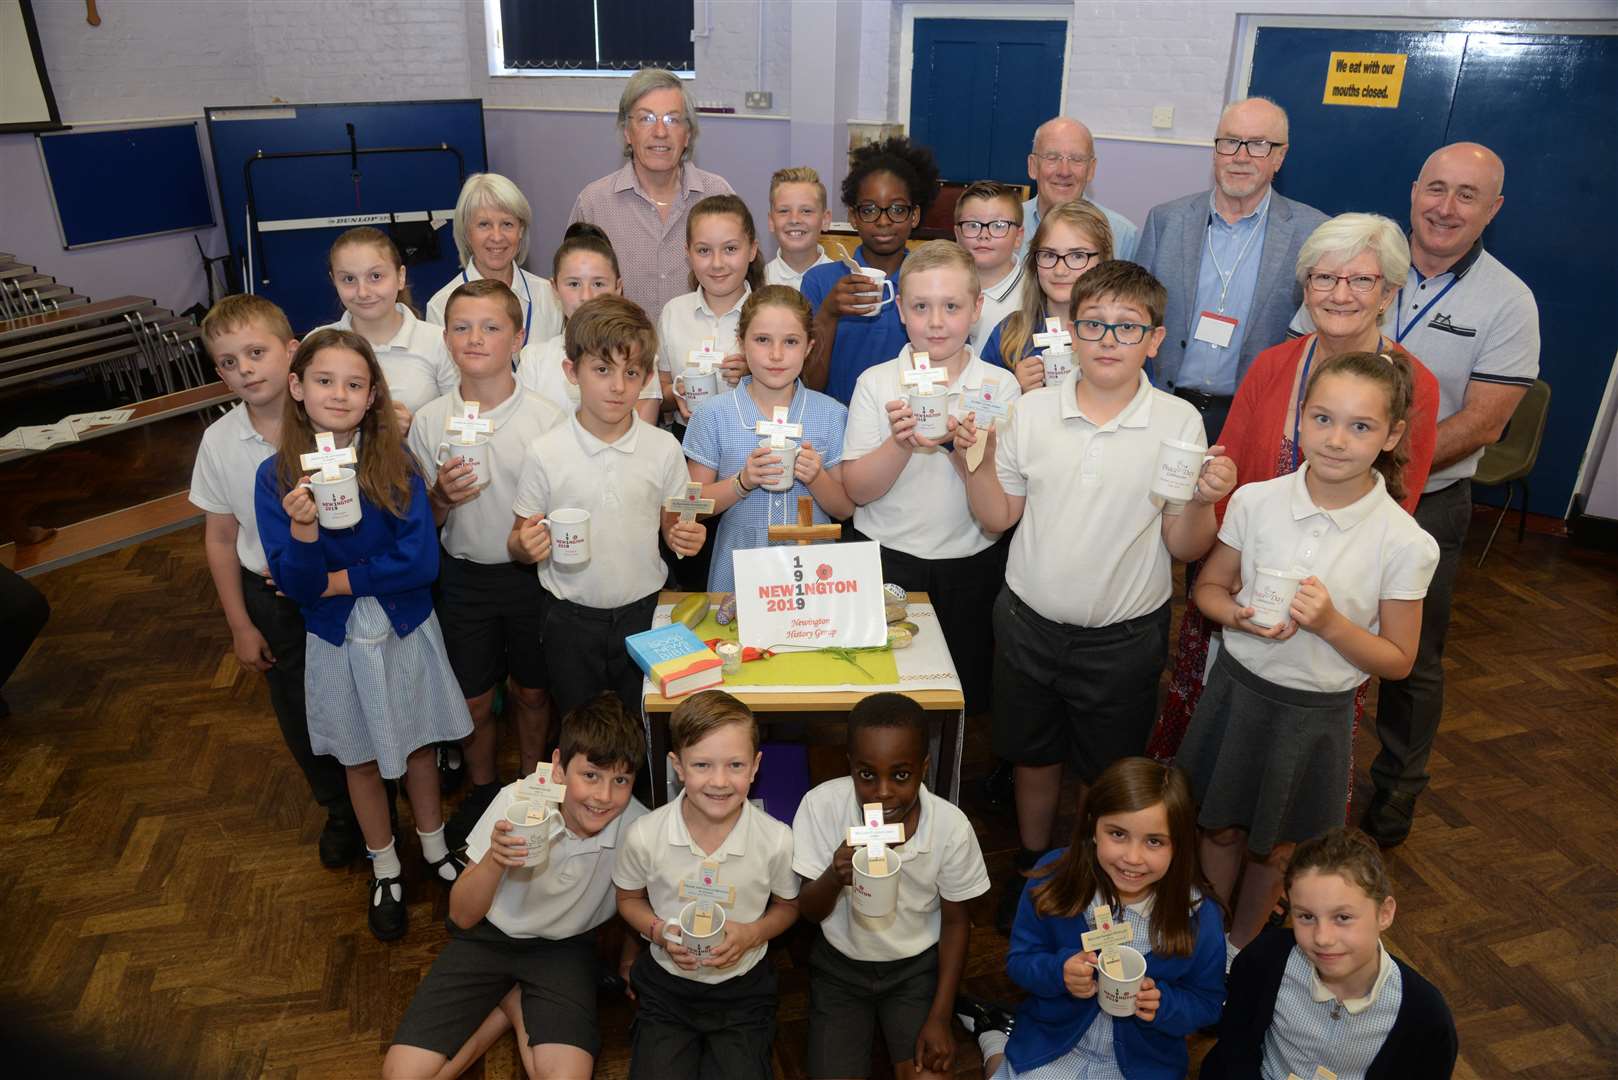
column 978, row 1015
column 387, row 914
column 454, row 862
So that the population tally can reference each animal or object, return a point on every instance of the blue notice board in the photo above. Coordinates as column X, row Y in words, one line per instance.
column 125, row 183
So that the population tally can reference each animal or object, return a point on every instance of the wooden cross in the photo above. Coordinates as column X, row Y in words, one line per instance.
column 779, row 429
column 469, row 424
column 922, row 375
column 1054, row 336
column 542, row 787
column 1105, row 939
column 1321, row 1073
column 705, row 358
column 689, row 505
column 706, row 890
column 874, row 834
column 327, row 457
column 806, row 531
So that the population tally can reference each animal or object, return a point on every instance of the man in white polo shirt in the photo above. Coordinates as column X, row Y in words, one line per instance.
column 1476, row 327
column 1062, row 163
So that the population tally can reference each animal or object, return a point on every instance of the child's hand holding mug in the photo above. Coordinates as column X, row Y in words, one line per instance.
column 534, row 537
column 506, row 848
column 763, row 467
column 1147, row 999
column 1079, row 975
column 1311, row 606
column 902, row 422
column 299, row 503
column 808, row 464
column 1030, row 372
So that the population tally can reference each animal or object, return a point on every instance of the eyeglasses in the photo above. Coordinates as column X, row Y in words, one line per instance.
column 651, row 119
column 1077, row 161
column 1124, row 333
column 1255, row 147
column 870, row 211
column 973, row 229
column 1077, row 259
column 1319, row 281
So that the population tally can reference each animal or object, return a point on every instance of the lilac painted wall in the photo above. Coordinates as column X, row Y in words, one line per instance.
column 1134, row 176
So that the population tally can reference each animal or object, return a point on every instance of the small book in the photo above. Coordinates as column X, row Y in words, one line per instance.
column 675, row 660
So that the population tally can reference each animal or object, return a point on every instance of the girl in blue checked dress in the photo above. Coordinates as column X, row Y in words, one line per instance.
column 723, row 450
column 379, row 687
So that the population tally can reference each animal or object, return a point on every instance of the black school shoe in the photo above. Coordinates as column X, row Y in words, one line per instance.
column 451, row 860
column 977, row 1015
column 387, row 915
column 451, row 767
column 1388, row 818
column 340, row 841
column 459, row 826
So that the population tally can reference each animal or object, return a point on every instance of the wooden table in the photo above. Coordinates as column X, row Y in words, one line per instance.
column 946, row 714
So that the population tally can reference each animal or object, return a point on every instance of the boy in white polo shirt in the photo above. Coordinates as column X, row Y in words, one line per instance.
column 907, row 489
column 491, row 608
column 797, row 217
column 522, row 947
column 709, row 1015
column 619, row 469
column 988, row 224
column 251, row 344
column 904, row 975
column 1081, row 627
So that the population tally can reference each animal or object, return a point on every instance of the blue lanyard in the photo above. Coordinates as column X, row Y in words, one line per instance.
column 528, row 316
column 1297, row 413
column 1400, row 331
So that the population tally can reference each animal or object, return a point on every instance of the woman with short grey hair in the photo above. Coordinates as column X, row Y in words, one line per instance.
column 492, row 223
column 642, row 206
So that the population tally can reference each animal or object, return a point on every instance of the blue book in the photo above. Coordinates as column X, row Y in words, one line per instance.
column 675, row 659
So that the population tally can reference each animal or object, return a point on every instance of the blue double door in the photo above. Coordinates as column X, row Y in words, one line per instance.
column 1548, row 105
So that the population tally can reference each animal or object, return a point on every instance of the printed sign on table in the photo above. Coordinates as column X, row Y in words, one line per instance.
column 813, row 597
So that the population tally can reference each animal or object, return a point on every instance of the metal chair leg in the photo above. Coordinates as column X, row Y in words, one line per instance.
column 1522, row 519
column 1504, row 510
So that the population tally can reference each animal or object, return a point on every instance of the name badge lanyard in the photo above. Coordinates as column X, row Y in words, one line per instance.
column 528, row 309
column 1297, row 413
column 1226, row 278
column 1400, row 331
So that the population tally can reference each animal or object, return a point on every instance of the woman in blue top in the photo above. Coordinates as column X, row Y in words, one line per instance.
column 1134, row 850
column 1071, row 240
column 723, row 449
column 377, row 680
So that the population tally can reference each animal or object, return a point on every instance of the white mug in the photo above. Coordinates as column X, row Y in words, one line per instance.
column 696, row 386
column 570, row 536
column 337, row 502
column 1273, row 591
column 538, row 836
column 789, row 461
column 1058, row 362
column 932, row 414
column 880, row 279
column 1117, row 996
column 680, row 931
column 875, row 901
column 1179, row 464
column 476, row 453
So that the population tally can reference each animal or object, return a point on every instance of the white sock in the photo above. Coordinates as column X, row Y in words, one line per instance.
column 1230, row 953
column 434, row 849
column 385, row 864
column 992, row 1042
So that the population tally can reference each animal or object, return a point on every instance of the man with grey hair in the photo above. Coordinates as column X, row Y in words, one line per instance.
column 1227, row 258
column 1062, row 163
column 642, row 207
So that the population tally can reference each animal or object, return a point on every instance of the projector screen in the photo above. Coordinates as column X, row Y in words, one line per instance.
column 26, row 101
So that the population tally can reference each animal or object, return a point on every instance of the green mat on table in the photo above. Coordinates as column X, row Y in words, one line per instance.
column 808, row 668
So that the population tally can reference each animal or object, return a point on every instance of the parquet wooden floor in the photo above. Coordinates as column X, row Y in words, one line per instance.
column 162, row 902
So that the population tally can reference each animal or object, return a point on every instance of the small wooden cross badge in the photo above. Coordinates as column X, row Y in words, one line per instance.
column 706, row 890
column 468, row 425
column 327, row 457
column 1321, row 1073
column 778, row 428
column 922, row 375
column 1054, row 337
column 875, row 835
column 542, row 787
column 1105, row 939
column 704, row 359
column 689, row 505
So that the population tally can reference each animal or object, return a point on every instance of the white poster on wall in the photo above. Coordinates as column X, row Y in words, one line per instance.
column 812, row 597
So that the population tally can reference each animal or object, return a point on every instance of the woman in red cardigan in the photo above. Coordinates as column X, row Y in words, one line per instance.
column 1351, row 267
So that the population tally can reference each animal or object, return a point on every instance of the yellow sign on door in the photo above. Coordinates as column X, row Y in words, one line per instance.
column 1369, row 79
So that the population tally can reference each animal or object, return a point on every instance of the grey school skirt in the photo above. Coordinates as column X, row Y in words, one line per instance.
column 380, row 696
column 1266, row 758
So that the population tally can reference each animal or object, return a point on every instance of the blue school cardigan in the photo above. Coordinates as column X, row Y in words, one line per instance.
column 1051, row 1021
column 393, row 559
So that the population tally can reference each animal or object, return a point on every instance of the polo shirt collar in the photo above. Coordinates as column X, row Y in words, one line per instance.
column 1344, row 517
column 1137, row 414
column 245, row 431
column 593, row 446
column 703, row 308
column 1010, row 282
column 606, row 838
column 626, row 180
column 401, row 338
column 495, row 413
column 747, row 409
column 1355, row 1006
column 1462, row 265
column 735, row 844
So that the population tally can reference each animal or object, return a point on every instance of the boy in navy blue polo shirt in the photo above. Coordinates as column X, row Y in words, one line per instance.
column 889, row 186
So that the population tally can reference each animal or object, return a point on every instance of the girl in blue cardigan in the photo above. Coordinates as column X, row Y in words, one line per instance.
column 377, row 680
column 1134, row 849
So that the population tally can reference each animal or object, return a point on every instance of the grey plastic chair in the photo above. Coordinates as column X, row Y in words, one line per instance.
column 1510, row 460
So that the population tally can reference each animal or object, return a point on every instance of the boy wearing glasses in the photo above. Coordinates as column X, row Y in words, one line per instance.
column 889, row 186
column 1082, row 625
column 988, row 224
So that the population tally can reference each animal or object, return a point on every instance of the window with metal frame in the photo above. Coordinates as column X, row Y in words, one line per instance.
column 590, row 37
